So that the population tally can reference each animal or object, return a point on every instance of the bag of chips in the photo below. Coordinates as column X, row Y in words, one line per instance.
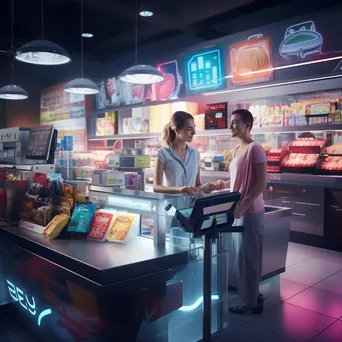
column 102, row 223
column 81, row 218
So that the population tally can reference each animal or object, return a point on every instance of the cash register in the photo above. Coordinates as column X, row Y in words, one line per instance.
column 209, row 216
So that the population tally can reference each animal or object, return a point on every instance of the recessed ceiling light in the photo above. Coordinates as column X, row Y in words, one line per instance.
column 146, row 13
column 87, row 35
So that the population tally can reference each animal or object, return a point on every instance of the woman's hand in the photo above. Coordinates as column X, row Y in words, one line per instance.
column 241, row 208
column 220, row 185
column 189, row 190
column 209, row 187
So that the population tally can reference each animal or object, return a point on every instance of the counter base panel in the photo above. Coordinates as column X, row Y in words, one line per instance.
column 316, row 241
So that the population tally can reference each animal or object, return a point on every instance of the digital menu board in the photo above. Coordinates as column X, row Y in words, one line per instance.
column 204, row 70
column 39, row 143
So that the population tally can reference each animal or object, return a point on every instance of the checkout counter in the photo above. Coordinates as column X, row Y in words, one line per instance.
column 148, row 290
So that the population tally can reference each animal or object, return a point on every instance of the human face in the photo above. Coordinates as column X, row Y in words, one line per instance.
column 187, row 133
column 237, row 127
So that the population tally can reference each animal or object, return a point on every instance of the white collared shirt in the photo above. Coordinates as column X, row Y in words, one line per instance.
column 176, row 172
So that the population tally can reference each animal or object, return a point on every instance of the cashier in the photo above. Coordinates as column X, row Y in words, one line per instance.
column 248, row 175
column 178, row 163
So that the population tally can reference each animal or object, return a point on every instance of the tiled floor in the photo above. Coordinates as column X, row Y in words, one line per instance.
column 303, row 304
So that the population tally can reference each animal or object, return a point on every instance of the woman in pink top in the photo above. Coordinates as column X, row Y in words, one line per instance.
column 248, row 175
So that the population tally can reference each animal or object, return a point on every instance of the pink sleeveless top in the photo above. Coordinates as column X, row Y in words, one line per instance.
column 243, row 175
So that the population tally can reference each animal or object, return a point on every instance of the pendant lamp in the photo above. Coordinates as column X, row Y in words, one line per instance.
column 12, row 91
column 42, row 52
column 82, row 85
column 140, row 73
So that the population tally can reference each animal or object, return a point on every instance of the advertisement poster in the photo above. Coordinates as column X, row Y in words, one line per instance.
column 132, row 94
column 204, row 70
column 110, row 94
column 57, row 105
column 250, row 61
column 172, row 87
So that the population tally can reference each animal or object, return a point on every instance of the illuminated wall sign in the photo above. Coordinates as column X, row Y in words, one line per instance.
column 301, row 40
column 205, row 70
column 27, row 302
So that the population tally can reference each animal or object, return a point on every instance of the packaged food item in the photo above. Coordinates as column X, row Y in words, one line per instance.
column 40, row 178
column 56, row 226
column 102, row 222
column 124, row 228
column 81, row 218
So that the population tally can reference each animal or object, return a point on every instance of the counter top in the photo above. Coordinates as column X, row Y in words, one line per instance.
column 102, row 263
column 287, row 178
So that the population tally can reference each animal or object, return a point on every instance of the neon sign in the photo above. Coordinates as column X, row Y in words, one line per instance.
column 27, row 302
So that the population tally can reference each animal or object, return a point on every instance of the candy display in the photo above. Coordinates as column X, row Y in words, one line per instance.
column 274, row 158
column 332, row 163
column 307, row 145
column 300, row 160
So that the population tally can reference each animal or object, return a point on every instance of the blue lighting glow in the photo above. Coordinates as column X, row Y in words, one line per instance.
column 27, row 302
column 197, row 303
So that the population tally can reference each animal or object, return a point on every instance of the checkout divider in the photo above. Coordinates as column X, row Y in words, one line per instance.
column 150, row 289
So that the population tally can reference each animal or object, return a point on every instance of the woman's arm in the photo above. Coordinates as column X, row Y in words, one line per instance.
column 158, row 182
column 260, row 185
column 257, row 190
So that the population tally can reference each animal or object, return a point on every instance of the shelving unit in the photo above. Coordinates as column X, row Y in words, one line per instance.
column 257, row 130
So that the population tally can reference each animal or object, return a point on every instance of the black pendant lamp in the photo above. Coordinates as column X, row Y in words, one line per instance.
column 140, row 73
column 12, row 91
column 42, row 52
column 82, row 85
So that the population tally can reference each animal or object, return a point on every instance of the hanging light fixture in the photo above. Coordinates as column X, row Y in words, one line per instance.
column 42, row 52
column 141, row 73
column 82, row 85
column 12, row 91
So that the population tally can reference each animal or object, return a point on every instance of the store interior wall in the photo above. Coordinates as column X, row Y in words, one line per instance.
column 35, row 78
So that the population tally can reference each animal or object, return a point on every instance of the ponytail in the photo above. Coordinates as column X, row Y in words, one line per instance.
column 169, row 134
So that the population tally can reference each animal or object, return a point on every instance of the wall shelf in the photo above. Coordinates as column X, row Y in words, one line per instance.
column 216, row 132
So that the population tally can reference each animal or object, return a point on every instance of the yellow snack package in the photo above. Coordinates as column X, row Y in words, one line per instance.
column 55, row 227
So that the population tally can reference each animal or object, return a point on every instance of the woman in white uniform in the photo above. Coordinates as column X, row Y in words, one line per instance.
column 177, row 161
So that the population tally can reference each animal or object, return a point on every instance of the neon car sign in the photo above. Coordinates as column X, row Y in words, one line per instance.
column 27, row 302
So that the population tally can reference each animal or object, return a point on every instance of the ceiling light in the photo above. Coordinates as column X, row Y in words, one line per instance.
column 42, row 52
column 142, row 74
column 87, row 35
column 146, row 14
column 82, row 86
column 13, row 92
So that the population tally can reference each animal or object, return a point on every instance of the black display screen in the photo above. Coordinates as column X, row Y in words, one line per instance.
column 39, row 143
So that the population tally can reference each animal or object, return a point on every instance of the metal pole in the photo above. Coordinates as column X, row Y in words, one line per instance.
column 207, row 288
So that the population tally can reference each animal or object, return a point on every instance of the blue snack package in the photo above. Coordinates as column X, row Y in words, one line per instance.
column 81, row 218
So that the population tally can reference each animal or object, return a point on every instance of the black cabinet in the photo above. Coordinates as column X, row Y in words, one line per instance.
column 333, row 214
column 306, row 202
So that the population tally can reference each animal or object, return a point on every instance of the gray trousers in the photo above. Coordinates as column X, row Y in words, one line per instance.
column 245, row 258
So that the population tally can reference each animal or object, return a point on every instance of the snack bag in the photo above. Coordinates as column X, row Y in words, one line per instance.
column 56, row 226
column 101, row 225
column 81, row 218
column 124, row 228
column 40, row 178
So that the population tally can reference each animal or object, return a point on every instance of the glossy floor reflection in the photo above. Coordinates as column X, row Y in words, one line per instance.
column 303, row 304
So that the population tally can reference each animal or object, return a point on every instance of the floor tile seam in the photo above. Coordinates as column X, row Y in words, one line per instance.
column 320, row 313
column 324, row 330
column 271, row 331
